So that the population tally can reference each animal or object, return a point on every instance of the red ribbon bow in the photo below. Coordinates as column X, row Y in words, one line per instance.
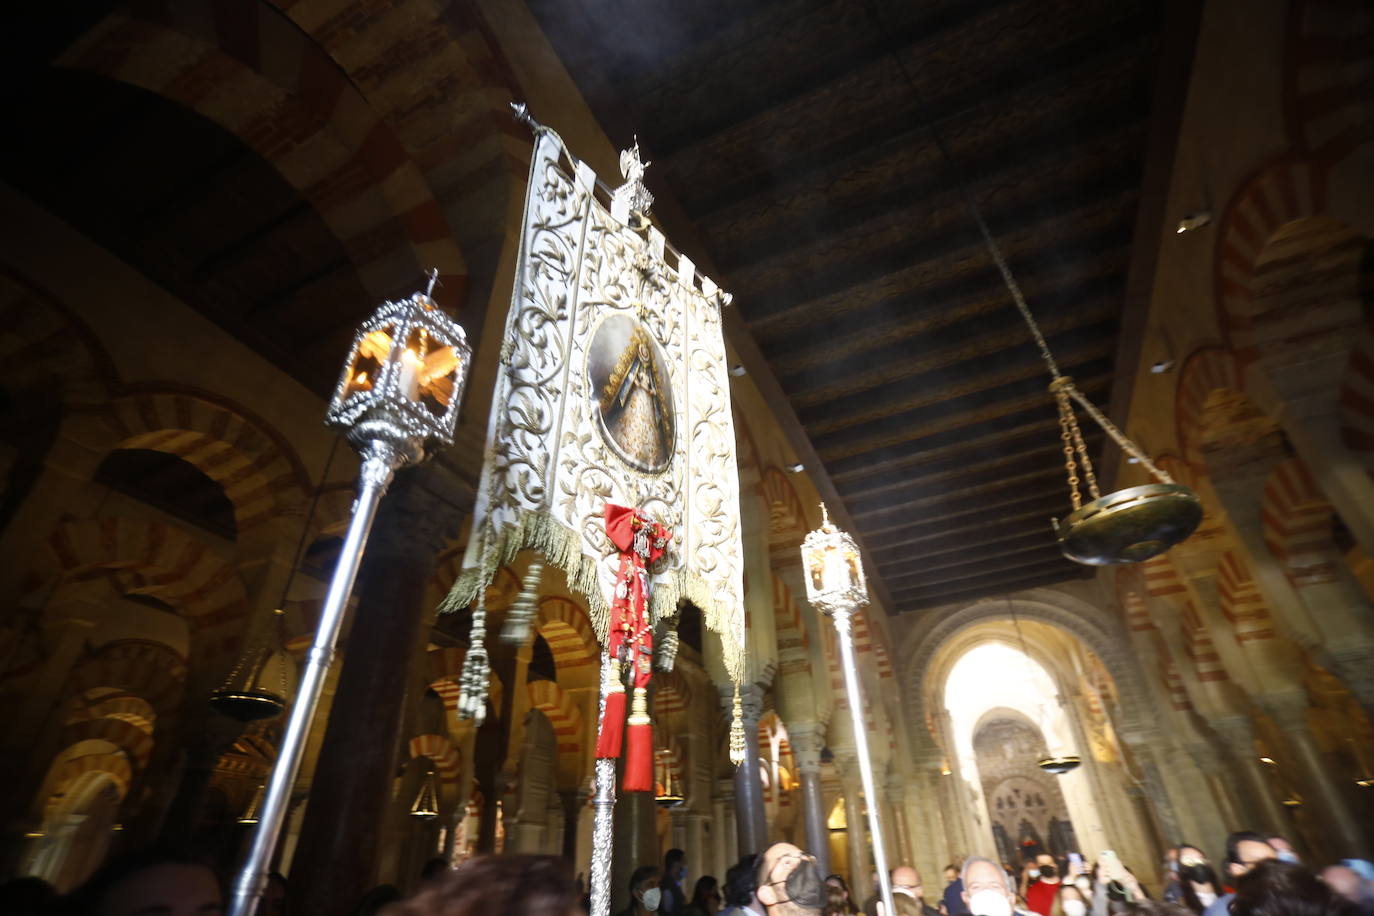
column 641, row 542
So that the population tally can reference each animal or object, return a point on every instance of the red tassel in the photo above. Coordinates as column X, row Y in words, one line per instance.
column 639, row 759
column 612, row 726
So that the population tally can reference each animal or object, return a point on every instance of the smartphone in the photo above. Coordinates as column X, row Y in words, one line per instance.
column 1075, row 864
column 1111, row 865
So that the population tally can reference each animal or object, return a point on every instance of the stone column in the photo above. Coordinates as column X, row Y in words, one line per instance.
column 901, row 836
column 723, row 830
column 634, row 842
column 1238, row 734
column 856, row 829
column 1344, row 834
column 751, row 822
column 699, row 861
column 339, row 850
column 574, row 801
column 806, row 748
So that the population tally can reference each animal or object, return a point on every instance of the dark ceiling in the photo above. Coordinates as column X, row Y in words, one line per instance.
column 795, row 136
column 791, row 151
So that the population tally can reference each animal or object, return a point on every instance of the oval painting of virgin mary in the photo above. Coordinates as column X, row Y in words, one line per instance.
column 631, row 393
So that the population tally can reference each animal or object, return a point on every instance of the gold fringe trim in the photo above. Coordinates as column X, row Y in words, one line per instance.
column 562, row 548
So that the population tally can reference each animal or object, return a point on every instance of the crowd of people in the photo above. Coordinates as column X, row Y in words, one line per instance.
column 1259, row 876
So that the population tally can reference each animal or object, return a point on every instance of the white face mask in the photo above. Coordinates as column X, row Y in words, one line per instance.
column 1074, row 907
column 1083, row 883
column 651, row 899
column 1287, row 855
column 1034, row 872
column 989, row 903
column 1206, row 898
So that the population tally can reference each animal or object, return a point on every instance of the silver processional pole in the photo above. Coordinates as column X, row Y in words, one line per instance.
column 835, row 586
column 398, row 396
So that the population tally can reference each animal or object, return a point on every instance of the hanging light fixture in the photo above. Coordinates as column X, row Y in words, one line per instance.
column 426, row 804
column 669, row 794
column 1057, row 764
column 250, row 814
column 260, row 683
column 1125, row 526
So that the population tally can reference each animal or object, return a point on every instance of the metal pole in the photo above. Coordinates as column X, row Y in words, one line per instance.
column 603, row 807
column 380, row 461
column 856, row 711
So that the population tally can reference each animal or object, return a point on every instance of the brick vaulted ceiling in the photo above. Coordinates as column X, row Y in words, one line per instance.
column 794, row 138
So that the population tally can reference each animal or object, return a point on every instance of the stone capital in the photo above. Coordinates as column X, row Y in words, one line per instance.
column 751, row 704
column 806, row 741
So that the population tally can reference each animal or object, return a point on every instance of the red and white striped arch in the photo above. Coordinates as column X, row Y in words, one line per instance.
column 1201, row 650
column 46, row 347
column 252, row 71
column 1327, row 102
column 151, row 671
column 566, row 628
column 258, row 469
column 448, row 763
column 1282, row 191
column 77, row 761
column 134, row 741
column 155, row 558
column 1297, row 523
column 1205, row 371
column 562, row 712
column 1173, row 681
column 1241, row 600
column 786, row 517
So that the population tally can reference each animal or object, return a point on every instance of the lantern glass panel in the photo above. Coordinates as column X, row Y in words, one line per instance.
column 429, row 373
column 366, row 367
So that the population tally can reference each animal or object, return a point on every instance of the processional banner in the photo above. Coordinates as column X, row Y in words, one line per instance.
column 612, row 392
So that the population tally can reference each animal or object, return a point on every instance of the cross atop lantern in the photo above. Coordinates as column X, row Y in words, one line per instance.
column 404, row 375
column 834, row 572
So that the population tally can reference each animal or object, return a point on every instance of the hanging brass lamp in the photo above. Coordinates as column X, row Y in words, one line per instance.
column 1059, row 765
column 260, row 683
column 1125, row 526
column 426, row 804
column 669, row 790
column 250, row 814
column 1365, row 779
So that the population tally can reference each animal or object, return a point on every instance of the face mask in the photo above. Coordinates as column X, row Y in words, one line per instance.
column 1198, row 874
column 1034, row 873
column 1049, row 871
column 1206, row 898
column 651, row 899
column 804, row 886
column 1083, row 883
column 989, row 903
column 1287, row 855
column 1074, row 907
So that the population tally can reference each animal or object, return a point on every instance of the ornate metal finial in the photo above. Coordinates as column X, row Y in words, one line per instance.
column 521, row 112
column 636, row 196
column 825, row 517
column 433, row 282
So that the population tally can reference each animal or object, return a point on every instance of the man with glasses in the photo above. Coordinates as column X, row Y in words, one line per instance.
column 789, row 882
column 988, row 890
column 906, row 882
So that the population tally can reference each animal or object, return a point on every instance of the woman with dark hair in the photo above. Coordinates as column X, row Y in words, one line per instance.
column 705, row 897
column 156, row 880
column 529, row 885
column 1198, row 884
column 1277, row 888
column 838, row 900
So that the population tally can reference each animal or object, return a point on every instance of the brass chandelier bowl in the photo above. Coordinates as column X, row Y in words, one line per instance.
column 1130, row 525
column 1060, row 765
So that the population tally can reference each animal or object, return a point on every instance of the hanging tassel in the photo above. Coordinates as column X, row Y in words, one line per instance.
column 639, row 755
column 516, row 629
column 608, row 740
column 472, row 682
column 665, row 655
column 737, row 731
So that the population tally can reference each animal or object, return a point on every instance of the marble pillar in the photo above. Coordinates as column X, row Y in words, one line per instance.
column 1238, row 734
column 1344, row 834
column 856, row 831
column 751, row 823
column 806, row 749
column 339, row 850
